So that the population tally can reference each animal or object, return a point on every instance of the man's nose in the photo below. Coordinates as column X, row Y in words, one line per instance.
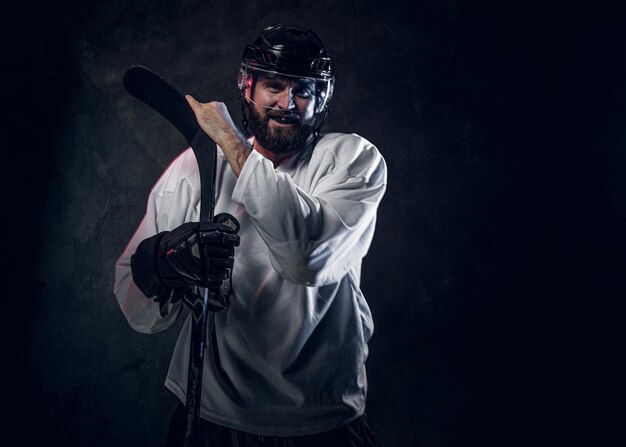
column 285, row 100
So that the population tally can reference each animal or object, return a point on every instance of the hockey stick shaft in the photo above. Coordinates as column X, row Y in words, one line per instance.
column 148, row 87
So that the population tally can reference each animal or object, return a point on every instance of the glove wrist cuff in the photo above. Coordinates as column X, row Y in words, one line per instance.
column 144, row 269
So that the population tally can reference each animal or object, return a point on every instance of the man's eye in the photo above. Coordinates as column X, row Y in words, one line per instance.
column 275, row 88
column 302, row 92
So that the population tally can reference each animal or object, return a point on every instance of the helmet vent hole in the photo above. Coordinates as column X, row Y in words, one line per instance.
column 270, row 58
column 320, row 65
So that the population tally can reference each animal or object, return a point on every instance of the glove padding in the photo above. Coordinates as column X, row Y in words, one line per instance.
column 195, row 254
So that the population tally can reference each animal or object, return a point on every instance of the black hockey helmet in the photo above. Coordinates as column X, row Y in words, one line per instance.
column 288, row 51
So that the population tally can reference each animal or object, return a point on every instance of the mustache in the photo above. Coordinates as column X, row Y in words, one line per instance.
column 285, row 114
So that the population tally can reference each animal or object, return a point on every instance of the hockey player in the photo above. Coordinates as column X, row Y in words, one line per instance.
column 285, row 359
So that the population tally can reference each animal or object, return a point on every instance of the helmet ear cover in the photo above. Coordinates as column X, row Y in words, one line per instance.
column 245, row 81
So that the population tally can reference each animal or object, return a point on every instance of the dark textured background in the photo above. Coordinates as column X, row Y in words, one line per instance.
column 499, row 251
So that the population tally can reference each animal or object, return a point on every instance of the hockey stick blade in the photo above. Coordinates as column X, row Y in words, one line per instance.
column 147, row 86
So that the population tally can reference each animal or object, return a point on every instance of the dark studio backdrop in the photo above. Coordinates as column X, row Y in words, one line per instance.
column 498, row 248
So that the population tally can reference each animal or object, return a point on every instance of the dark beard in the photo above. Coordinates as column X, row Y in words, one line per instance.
column 281, row 140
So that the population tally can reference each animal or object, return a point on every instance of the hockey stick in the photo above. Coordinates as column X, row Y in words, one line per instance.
column 148, row 87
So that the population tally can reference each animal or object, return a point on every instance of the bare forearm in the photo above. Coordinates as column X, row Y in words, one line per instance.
column 236, row 150
column 214, row 119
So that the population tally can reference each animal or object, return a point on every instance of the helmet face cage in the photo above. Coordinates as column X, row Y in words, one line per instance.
column 322, row 88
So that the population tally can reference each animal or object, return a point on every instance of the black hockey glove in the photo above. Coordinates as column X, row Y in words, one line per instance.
column 195, row 254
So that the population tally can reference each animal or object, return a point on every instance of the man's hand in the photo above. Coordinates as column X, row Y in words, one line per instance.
column 216, row 122
column 193, row 254
column 196, row 254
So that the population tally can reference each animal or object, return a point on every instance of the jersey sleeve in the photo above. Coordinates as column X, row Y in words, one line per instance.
column 168, row 201
column 320, row 229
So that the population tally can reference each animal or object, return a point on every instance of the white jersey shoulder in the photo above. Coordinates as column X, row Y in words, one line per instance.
column 184, row 168
column 352, row 152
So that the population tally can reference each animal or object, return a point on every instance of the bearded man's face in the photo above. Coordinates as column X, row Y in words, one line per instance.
column 280, row 140
column 281, row 117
